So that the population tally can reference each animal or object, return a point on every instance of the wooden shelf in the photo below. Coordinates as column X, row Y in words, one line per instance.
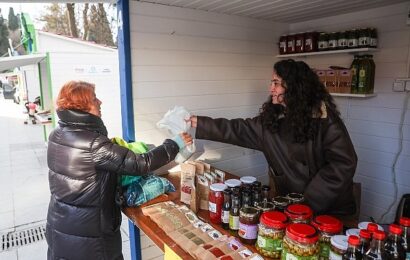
column 353, row 95
column 303, row 54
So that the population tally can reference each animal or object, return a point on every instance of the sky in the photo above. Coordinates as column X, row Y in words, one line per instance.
column 34, row 10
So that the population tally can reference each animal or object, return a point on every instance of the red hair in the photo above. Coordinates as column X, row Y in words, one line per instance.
column 76, row 95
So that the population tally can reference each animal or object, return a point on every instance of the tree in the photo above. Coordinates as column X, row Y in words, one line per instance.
column 71, row 20
column 13, row 20
column 55, row 19
column 99, row 28
column 85, row 21
column 4, row 36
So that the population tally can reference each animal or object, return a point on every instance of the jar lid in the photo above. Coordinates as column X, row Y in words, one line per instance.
column 364, row 225
column 353, row 240
column 372, row 227
column 379, row 235
column 299, row 211
column 249, row 212
column 339, row 241
column 364, row 233
column 275, row 219
column 353, row 232
column 395, row 229
column 218, row 187
column 303, row 233
column 233, row 183
column 281, row 201
column 405, row 221
column 248, row 179
column 295, row 196
column 327, row 223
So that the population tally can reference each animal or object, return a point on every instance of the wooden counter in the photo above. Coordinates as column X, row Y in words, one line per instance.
column 156, row 234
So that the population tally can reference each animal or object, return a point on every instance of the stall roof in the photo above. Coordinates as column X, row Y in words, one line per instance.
column 286, row 11
column 18, row 61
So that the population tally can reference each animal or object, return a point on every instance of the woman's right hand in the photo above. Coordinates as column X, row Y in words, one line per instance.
column 194, row 121
column 183, row 139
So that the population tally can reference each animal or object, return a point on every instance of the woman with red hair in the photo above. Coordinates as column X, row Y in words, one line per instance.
column 83, row 220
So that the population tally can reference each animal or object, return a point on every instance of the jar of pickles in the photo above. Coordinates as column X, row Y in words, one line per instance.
column 338, row 247
column 299, row 213
column 327, row 226
column 300, row 242
column 271, row 232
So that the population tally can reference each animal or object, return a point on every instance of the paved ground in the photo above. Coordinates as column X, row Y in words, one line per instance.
column 24, row 191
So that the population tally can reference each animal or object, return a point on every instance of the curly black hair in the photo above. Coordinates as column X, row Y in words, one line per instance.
column 303, row 98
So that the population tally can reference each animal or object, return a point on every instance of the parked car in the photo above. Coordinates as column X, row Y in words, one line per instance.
column 8, row 91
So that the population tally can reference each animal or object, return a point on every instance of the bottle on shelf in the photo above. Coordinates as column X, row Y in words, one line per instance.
column 364, row 38
column 332, row 45
column 290, row 41
column 234, row 215
column 323, row 42
column 342, row 40
column 354, row 68
column 283, row 45
column 352, row 39
column 405, row 225
column 265, row 193
column 365, row 237
column 372, row 73
column 393, row 246
column 373, row 38
column 353, row 249
column 365, row 71
column 226, row 208
column 376, row 250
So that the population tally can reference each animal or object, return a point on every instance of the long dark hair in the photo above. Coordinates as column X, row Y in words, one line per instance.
column 303, row 97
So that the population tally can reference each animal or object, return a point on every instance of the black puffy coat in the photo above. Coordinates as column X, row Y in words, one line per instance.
column 322, row 169
column 83, row 220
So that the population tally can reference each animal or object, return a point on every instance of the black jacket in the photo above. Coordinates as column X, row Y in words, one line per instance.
column 83, row 220
column 321, row 169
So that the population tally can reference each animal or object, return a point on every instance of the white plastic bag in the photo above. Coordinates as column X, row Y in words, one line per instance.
column 176, row 121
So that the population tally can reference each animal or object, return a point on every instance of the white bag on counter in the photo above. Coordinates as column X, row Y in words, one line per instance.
column 175, row 122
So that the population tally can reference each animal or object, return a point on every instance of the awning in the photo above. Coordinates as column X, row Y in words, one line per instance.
column 18, row 61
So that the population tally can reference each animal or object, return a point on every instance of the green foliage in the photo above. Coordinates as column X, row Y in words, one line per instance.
column 55, row 19
column 13, row 20
column 99, row 27
column 4, row 36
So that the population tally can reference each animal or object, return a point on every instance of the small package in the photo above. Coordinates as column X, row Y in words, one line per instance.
column 187, row 182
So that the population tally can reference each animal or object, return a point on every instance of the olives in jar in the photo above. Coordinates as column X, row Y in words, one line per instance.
column 299, row 213
column 300, row 242
column 271, row 232
column 327, row 226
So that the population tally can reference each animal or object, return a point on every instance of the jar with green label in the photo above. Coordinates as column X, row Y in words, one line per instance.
column 271, row 232
column 300, row 242
column 328, row 226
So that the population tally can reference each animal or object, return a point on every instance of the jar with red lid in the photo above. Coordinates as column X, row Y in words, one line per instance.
column 299, row 42
column 216, row 200
column 300, row 242
column 290, row 44
column 283, row 44
column 327, row 226
column 299, row 213
column 271, row 232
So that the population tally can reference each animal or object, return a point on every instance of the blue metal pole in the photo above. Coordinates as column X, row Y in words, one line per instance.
column 127, row 110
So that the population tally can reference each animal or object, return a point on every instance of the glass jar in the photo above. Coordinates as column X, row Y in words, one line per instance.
column 247, row 180
column 216, row 201
column 352, row 39
column 271, row 232
column 364, row 38
column 353, row 232
column 323, row 42
column 290, row 47
column 311, row 39
column 299, row 213
column 300, row 242
column 338, row 247
column 299, row 42
column 248, row 224
column 282, row 44
column 295, row 197
column 373, row 38
column 327, row 226
column 280, row 203
column 332, row 45
column 342, row 40
column 265, row 206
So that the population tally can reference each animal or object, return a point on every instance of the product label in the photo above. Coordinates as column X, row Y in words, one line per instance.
column 352, row 42
column 332, row 43
column 248, row 231
column 323, row 45
column 269, row 244
column 363, row 41
column 234, row 222
column 286, row 255
column 373, row 42
column 282, row 45
column 212, row 207
column 225, row 216
column 334, row 256
column 324, row 250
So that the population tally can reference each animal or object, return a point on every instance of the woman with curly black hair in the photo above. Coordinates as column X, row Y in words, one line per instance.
column 302, row 136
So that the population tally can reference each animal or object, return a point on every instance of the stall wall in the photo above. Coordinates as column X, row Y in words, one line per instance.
column 212, row 64
column 72, row 59
column 373, row 123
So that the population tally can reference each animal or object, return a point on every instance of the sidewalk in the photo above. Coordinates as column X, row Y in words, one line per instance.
column 24, row 191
